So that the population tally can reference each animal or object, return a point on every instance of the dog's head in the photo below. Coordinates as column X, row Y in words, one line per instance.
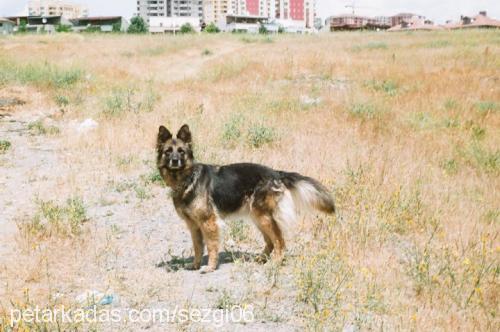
column 174, row 153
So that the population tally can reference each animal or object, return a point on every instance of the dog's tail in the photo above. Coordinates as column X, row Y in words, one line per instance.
column 301, row 194
column 308, row 193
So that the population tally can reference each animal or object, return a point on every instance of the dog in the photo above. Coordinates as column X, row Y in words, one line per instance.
column 203, row 195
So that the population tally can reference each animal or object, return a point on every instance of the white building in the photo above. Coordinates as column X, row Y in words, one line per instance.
column 169, row 8
column 172, row 24
column 65, row 9
column 215, row 11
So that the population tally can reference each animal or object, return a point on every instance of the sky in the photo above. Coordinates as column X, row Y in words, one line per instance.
column 437, row 10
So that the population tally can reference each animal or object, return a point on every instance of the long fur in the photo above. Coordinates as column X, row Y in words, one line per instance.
column 301, row 195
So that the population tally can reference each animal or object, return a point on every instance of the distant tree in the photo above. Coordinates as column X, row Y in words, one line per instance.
column 281, row 29
column 92, row 29
column 212, row 28
column 263, row 29
column 117, row 27
column 63, row 28
column 187, row 28
column 22, row 27
column 137, row 25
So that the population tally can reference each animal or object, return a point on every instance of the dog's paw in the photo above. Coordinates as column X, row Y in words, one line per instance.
column 261, row 259
column 192, row 267
column 206, row 269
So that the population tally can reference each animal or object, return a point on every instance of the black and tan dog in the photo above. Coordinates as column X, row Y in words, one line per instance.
column 205, row 194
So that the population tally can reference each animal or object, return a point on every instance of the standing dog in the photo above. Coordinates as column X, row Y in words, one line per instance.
column 204, row 194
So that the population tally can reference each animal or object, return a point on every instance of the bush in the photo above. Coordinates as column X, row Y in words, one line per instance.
column 212, row 28
column 137, row 25
column 263, row 29
column 63, row 28
column 129, row 100
column 4, row 146
column 52, row 219
column 186, row 28
column 22, row 27
column 365, row 111
column 117, row 27
column 259, row 135
column 38, row 128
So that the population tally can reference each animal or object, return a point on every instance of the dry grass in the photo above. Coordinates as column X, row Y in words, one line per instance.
column 404, row 128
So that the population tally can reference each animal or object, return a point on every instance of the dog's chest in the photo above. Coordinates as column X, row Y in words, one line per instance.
column 196, row 207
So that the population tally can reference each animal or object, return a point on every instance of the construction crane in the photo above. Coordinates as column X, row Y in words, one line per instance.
column 353, row 6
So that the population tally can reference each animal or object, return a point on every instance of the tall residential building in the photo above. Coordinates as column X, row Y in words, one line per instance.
column 294, row 10
column 215, row 11
column 170, row 8
column 56, row 8
column 404, row 17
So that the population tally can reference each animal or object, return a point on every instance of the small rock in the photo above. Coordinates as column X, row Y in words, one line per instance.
column 310, row 101
column 89, row 297
column 87, row 125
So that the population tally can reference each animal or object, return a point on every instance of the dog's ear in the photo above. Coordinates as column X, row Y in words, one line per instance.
column 163, row 135
column 184, row 134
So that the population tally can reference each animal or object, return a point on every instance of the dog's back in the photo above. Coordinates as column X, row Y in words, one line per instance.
column 264, row 191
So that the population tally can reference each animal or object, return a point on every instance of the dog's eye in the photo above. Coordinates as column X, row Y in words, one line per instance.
column 169, row 150
column 181, row 151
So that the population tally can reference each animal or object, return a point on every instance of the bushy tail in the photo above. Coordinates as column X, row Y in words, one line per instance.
column 308, row 193
column 301, row 194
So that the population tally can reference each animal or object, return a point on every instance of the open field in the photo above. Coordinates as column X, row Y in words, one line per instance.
column 404, row 129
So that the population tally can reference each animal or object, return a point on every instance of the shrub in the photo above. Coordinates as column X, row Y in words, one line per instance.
column 186, row 28
column 62, row 100
column 232, row 129
column 92, row 29
column 129, row 100
column 387, row 86
column 263, row 29
column 485, row 107
column 63, row 28
column 117, row 27
column 365, row 111
column 52, row 219
column 4, row 146
column 321, row 282
column 137, row 25
column 206, row 52
column 38, row 128
column 259, row 135
column 212, row 28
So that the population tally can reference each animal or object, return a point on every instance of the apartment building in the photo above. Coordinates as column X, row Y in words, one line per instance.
column 65, row 9
column 215, row 11
column 170, row 8
column 405, row 18
column 354, row 22
column 285, row 10
column 383, row 21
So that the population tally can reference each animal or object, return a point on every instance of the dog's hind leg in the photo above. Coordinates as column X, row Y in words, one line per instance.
column 262, row 258
column 210, row 231
column 271, row 230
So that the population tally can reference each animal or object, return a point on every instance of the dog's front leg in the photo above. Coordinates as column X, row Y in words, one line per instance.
column 210, row 231
column 197, row 238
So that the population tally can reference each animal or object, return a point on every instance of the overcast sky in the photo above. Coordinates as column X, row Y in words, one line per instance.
column 437, row 10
